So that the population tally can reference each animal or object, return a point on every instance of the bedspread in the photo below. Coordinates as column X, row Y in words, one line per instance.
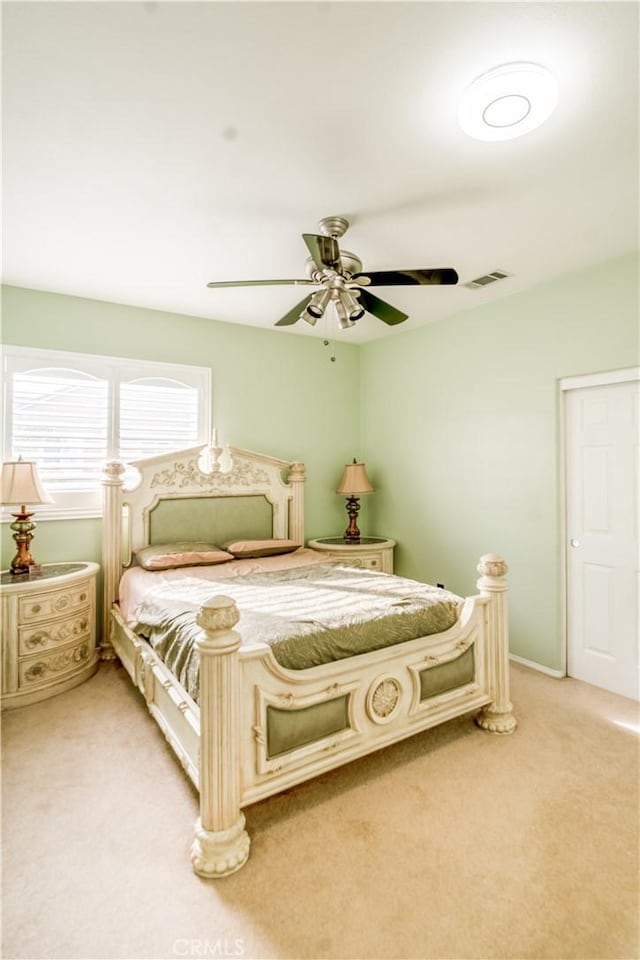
column 307, row 615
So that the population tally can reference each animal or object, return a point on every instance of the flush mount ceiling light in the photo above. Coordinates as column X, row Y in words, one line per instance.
column 508, row 101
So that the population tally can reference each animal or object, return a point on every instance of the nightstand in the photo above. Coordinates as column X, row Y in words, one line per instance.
column 48, row 631
column 376, row 553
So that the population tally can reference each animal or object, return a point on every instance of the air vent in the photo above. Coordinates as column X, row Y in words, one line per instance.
column 487, row 279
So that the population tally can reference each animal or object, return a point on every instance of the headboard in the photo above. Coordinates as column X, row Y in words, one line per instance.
column 261, row 496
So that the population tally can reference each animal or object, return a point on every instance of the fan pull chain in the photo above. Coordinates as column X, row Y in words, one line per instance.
column 327, row 343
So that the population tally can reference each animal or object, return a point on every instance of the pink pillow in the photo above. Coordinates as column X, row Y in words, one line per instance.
column 186, row 553
column 260, row 548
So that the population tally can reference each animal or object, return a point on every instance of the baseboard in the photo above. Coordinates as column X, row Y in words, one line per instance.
column 558, row 674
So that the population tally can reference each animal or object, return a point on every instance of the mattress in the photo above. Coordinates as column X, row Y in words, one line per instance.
column 309, row 612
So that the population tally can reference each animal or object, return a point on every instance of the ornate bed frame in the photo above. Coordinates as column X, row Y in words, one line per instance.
column 226, row 743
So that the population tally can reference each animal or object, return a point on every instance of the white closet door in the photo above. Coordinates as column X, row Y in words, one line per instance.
column 602, row 533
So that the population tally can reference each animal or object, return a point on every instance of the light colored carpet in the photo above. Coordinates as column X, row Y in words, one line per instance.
column 454, row 844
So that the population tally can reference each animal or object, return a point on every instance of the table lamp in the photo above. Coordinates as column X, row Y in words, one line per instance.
column 19, row 485
column 353, row 485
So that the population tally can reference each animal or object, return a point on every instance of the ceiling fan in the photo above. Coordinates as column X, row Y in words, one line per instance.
column 339, row 276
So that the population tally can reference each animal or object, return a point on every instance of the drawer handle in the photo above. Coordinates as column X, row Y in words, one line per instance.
column 374, row 563
column 35, row 671
column 36, row 608
column 36, row 640
column 83, row 596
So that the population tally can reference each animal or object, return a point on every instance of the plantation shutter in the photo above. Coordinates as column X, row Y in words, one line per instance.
column 73, row 412
column 60, row 419
column 157, row 414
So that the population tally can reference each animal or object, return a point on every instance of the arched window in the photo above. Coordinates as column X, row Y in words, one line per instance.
column 73, row 412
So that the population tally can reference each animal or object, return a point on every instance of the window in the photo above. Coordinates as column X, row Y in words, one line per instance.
column 73, row 412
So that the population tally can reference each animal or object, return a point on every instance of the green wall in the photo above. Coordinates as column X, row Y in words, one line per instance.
column 458, row 421
column 273, row 392
column 461, row 419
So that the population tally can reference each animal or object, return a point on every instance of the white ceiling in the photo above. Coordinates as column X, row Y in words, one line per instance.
column 152, row 147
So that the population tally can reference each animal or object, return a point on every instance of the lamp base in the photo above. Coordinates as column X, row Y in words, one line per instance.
column 23, row 535
column 352, row 534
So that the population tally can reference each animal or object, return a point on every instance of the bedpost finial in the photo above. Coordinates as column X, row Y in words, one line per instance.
column 492, row 565
column 218, row 613
column 114, row 469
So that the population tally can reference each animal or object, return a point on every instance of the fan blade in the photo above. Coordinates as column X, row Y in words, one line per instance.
column 294, row 314
column 256, row 283
column 380, row 309
column 397, row 278
column 324, row 250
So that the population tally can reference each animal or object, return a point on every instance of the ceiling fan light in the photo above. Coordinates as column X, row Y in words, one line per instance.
column 318, row 303
column 310, row 319
column 344, row 321
column 508, row 101
column 351, row 305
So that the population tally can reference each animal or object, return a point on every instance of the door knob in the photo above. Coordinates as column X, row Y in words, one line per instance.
column 574, row 542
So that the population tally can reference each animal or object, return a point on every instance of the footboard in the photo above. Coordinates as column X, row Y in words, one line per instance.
column 265, row 728
column 297, row 724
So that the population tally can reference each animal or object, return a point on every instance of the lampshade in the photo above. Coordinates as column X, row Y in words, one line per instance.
column 355, row 481
column 20, row 484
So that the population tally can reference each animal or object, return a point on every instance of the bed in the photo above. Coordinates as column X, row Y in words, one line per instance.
column 250, row 665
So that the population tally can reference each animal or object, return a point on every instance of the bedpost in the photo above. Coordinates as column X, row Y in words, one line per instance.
column 221, row 844
column 497, row 717
column 297, row 478
column 111, row 550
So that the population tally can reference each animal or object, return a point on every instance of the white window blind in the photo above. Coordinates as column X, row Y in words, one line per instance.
column 60, row 419
column 156, row 415
column 73, row 412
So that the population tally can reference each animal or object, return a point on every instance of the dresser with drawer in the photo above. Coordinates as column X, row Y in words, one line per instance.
column 48, row 632
column 375, row 553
